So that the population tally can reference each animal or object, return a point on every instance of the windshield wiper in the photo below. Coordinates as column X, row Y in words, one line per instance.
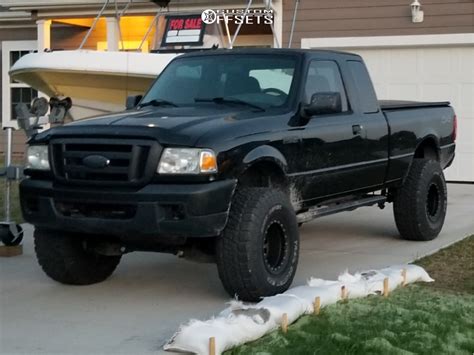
column 224, row 100
column 158, row 102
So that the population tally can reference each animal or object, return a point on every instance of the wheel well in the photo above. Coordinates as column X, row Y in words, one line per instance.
column 427, row 149
column 263, row 174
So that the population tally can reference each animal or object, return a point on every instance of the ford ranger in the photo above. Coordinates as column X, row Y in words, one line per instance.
column 224, row 157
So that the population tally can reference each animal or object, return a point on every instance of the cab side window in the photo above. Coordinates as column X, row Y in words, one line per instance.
column 324, row 76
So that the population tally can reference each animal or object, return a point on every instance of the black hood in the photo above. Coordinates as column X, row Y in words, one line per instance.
column 169, row 125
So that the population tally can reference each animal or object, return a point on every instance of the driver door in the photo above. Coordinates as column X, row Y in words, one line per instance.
column 334, row 145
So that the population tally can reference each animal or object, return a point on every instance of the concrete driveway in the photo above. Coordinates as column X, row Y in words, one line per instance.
column 143, row 303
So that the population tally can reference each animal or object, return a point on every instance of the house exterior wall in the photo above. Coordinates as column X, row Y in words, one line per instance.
column 349, row 18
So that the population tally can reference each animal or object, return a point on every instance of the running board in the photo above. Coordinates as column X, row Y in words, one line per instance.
column 336, row 207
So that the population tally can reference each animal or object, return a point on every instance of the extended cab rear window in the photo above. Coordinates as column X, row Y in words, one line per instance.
column 365, row 89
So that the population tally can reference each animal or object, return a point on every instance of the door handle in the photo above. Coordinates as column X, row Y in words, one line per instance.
column 357, row 129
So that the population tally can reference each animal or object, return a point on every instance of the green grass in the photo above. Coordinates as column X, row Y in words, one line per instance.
column 452, row 267
column 435, row 318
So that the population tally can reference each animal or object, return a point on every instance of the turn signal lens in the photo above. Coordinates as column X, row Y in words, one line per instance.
column 208, row 162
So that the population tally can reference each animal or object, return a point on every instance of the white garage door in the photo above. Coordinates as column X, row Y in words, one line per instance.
column 408, row 71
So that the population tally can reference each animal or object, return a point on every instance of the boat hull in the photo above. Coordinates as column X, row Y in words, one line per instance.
column 97, row 82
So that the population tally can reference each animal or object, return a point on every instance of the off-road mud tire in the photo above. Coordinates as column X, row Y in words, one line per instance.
column 257, row 255
column 64, row 258
column 420, row 204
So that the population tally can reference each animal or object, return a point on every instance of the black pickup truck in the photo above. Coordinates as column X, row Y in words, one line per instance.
column 224, row 157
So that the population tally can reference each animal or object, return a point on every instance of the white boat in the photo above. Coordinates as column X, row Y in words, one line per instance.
column 97, row 82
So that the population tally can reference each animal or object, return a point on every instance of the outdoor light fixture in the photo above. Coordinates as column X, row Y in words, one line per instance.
column 417, row 15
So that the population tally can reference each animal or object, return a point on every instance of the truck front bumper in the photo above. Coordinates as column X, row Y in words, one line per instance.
column 156, row 210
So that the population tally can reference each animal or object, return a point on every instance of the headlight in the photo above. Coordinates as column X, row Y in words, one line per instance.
column 187, row 161
column 37, row 157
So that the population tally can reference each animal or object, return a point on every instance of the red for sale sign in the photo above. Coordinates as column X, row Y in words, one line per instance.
column 183, row 30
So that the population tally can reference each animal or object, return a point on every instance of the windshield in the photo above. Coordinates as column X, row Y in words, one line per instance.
column 261, row 81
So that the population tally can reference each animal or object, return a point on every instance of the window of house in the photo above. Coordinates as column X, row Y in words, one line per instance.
column 14, row 92
column 14, row 56
column 19, row 93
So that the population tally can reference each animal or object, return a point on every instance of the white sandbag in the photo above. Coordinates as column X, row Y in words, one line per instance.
column 356, row 285
column 292, row 305
column 415, row 273
column 228, row 332
column 240, row 323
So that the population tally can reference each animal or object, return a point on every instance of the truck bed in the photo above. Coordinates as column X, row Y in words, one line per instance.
column 400, row 105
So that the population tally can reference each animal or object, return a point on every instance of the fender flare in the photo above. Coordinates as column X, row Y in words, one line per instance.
column 429, row 136
column 265, row 153
column 432, row 137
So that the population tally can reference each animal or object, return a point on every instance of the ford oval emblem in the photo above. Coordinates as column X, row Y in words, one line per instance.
column 96, row 161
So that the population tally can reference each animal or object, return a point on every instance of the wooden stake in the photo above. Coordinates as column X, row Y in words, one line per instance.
column 284, row 323
column 317, row 305
column 385, row 287
column 212, row 346
column 9, row 251
column 343, row 293
column 404, row 275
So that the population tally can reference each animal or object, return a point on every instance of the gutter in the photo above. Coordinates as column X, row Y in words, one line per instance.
column 15, row 15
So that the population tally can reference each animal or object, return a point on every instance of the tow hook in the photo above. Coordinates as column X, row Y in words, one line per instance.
column 381, row 205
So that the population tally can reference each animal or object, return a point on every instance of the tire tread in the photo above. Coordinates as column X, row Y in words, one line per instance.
column 235, row 245
column 63, row 259
column 408, row 214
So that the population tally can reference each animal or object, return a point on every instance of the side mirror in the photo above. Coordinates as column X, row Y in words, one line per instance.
column 132, row 101
column 324, row 103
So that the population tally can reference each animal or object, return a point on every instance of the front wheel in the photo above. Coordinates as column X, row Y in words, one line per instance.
column 65, row 259
column 257, row 254
column 420, row 204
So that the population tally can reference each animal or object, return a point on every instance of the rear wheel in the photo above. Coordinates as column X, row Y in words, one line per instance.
column 420, row 204
column 65, row 259
column 257, row 254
